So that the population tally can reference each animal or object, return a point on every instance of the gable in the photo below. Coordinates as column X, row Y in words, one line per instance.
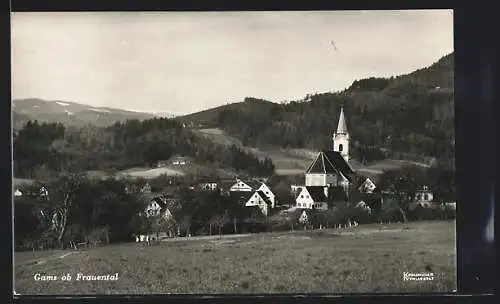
column 304, row 196
column 255, row 199
column 240, row 186
column 266, row 190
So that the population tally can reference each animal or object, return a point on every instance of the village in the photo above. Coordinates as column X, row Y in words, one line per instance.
column 329, row 181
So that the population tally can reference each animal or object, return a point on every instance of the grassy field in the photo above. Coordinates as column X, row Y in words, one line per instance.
column 369, row 258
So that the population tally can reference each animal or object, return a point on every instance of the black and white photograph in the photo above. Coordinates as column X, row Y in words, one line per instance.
column 235, row 152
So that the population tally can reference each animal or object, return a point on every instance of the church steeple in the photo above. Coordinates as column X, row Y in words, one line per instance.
column 341, row 137
column 341, row 127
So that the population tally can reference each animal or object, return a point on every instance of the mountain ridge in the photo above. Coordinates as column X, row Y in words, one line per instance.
column 72, row 113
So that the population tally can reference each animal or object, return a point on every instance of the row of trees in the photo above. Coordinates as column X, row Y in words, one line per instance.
column 41, row 150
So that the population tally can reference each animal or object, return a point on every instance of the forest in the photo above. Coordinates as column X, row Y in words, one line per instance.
column 408, row 117
column 43, row 150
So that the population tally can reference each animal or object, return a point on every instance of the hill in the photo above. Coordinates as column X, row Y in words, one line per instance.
column 69, row 113
column 408, row 117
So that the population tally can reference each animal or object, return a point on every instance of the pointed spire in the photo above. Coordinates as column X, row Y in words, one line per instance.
column 341, row 127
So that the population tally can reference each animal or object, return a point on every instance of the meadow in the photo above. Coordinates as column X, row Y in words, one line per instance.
column 367, row 258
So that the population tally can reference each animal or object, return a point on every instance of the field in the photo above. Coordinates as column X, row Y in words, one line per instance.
column 368, row 258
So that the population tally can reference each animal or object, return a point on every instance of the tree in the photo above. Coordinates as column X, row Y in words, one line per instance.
column 62, row 196
column 220, row 220
column 186, row 224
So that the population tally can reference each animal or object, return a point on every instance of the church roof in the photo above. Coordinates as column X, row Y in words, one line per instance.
column 330, row 162
column 339, row 162
column 341, row 127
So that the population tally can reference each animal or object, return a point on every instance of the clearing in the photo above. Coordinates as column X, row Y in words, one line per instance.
column 368, row 258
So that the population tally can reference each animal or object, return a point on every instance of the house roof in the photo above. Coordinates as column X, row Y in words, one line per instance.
column 317, row 193
column 264, row 197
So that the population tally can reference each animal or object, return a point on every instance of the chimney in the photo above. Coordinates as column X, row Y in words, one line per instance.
column 326, row 192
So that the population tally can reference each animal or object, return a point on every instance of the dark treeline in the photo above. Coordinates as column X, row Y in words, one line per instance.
column 42, row 150
column 407, row 117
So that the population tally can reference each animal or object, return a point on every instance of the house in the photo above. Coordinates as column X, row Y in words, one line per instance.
column 146, row 188
column 158, row 206
column 316, row 197
column 268, row 193
column 365, row 185
column 208, row 186
column 181, row 160
column 259, row 199
column 423, row 195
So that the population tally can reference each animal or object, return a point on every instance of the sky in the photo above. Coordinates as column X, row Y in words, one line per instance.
column 184, row 62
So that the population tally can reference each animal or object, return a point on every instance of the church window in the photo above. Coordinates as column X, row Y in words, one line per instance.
column 341, row 147
column 426, row 197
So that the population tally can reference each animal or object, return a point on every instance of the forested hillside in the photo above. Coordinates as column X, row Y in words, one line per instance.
column 43, row 150
column 406, row 117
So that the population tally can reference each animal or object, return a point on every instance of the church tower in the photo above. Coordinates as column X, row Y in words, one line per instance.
column 341, row 137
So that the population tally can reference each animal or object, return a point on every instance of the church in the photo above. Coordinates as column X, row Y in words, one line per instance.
column 330, row 174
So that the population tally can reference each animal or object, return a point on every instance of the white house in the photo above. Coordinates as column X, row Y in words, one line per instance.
column 259, row 199
column 424, row 195
column 179, row 160
column 146, row 188
column 43, row 191
column 367, row 186
column 210, row 186
column 157, row 206
column 240, row 186
column 313, row 197
column 268, row 193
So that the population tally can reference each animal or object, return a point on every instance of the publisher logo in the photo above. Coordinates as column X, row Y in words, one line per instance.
column 409, row 276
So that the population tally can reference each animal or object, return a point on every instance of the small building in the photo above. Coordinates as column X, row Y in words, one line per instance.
column 208, row 186
column 260, row 200
column 146, row 188
column 423, row 195
column 158, row 206
column 366, row 185
column 316, row 197
column 181, row 160
column 268, row 193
